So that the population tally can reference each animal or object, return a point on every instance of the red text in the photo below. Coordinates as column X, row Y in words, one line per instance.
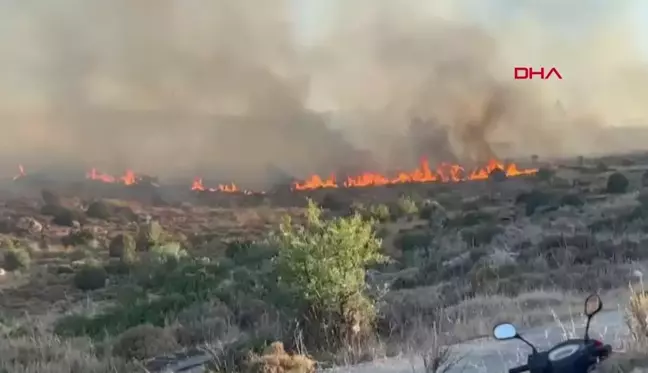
column 528, row 73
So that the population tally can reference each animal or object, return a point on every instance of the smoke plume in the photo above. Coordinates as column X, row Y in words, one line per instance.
column 223, row 88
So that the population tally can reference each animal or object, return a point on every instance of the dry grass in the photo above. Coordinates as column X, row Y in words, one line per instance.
column 276, row 360
column 637, row 319
column 474, row 317
column 634, row 357
column 438, row 357
column 41, row 352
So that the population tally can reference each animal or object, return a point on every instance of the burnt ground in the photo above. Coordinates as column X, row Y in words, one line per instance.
column 479, row 251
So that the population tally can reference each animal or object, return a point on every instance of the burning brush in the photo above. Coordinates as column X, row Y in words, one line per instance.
column 444, row 173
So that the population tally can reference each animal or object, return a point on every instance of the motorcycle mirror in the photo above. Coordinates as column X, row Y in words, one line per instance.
column 593, row 305
column 504, row 331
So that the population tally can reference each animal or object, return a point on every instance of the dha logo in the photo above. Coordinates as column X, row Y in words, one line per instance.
column 528, row 73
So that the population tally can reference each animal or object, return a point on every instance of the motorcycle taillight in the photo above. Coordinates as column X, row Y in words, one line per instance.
column 597, row 343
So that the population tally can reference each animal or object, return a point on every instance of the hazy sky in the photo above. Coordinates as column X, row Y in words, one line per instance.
column 312, row 15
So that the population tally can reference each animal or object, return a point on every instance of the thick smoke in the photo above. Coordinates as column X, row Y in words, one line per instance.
column 166, row 87
column 451, row 63
column 222, row 88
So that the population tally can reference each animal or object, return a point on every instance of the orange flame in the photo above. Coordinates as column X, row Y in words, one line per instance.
column 445, row 172
column 21, row 172
column 315, row 182
column 129, row 177
column 423, row 174
column 198, row 185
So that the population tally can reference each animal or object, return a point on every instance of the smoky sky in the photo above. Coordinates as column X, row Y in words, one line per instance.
column 226, row 88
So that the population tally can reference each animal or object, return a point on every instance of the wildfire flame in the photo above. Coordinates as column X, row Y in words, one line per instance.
column 198, row 185
column 129, row 177
column 423, row 174
column 445, row 173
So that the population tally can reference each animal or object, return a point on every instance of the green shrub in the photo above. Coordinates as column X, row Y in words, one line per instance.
column 322, row 264
column 249, row 252
column 407, row 206
column 379, row 212
column 123, row 247
column 145, row 341
column 7, row 243
column 90, row 276
column 176, row 287
column 617, row 183
column 123, row 316
column 168, row 252
column 16, row 258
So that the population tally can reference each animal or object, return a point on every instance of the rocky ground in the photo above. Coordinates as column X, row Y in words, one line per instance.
column 105, row 278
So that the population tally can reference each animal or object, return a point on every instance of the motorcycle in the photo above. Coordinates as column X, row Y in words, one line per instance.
column 571, row 356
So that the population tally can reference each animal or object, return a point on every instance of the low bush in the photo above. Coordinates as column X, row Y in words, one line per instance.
column 16, row 258
column 407, row 206
column 169, row 252
column 145, row 341
column 379, row 212
column 100, row 210
column 90, row 276
column 617, row 183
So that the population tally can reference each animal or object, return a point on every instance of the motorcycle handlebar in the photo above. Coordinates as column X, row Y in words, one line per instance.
column 520, row 369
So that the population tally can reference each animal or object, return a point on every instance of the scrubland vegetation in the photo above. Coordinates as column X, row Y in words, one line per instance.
column 112, row 286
